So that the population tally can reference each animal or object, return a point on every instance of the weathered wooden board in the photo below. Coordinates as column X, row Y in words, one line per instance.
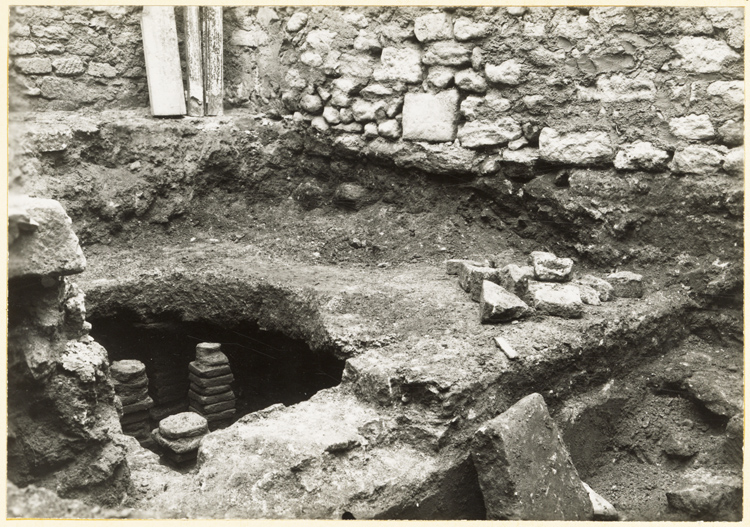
column 213, row 60
column 165, row 89
column 194, row 61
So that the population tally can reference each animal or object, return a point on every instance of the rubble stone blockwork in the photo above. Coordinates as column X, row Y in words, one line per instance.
column 567, row 71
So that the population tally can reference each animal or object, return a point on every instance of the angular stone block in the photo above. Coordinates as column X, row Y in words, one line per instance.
column 515, row 279
column 430, row 117
column 699, row 160
column 470, row 279
column 695, row 127
column 575, row 148
column 127, row 370
column 185, row 424
column 207, row 370
column 550, row 268
column 626, row 284
column 498, row 305
column 44, row 242
column 524, row 469
column 560, row 300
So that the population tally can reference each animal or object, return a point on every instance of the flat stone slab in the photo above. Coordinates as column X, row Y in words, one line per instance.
column 134, row 397
column 550, row 268
column 181, row 459
column 212, row 408
column 524, row 469
column 43, row 241
column 131, row 387
column 135, row 417
column 145, row 404
column 559, row 300
column 185, row 424
column 209, row 370
column 209, row 390
column 218, row 416
column 210, row 353
column 498, row 305
column 212, row 381
column 626, row 284
column 470, row 279
column 211, row 399
column 430, row 117
column 178, row 446
column 127, row 370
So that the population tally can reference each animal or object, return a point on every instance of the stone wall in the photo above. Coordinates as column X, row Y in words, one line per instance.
column 638, row 88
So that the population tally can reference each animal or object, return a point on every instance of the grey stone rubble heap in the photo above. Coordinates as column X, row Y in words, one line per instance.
column 131, row 386
column 210, row 392
column 180, row 436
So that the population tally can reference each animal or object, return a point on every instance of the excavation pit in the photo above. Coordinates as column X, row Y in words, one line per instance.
column 268, row 367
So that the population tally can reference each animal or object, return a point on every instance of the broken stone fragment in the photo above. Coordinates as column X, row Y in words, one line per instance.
column 589, row 295
column 707, row 496
column 603, row 510
column 641, row 155
column 478, row 134
column 185, row 424
column 434, row 26
column 602, row 287
column 453, row 266
column 296, row 22
column 470, row 279
column 515, row 278
column 471, row 81
column 560, row 300
column 399, row 64
column 698, row 160
column 498, row 305
column 626, row 284
column 550, row 268
column 505, row 347
column 50, row 248
column 207, row 370
column 679, row 446
column 447, row 53
column 209, row 353
column 127, row 370
column 719, row 391
column 524, row 469
column 466, row 29
column 695, row 127
column 509, row 72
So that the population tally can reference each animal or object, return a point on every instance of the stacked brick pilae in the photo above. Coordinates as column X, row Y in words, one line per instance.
column 210, row 392
column 180, row 435
column 131, row 386
column 169, row 386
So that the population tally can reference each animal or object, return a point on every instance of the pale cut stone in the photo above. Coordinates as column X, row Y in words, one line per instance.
column 428, row 117
column 550, row 268
column 626, row 284
column 498, row 305
column 575, row 148
column 732, row 92
column 508, row 72
column 704, row 55
column 434, row 26
column 399, row 64
column 477, row 134
column 560, row 300
column 697, row 159
column 641, row 155
column 466, row 29
column 695, row 127
column 734, row 161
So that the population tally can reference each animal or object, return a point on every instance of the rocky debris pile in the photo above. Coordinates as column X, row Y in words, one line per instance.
column 180, row 436
column 707, row 496
column 210, row 392
column 169, row 386
column 547, row 286
column 525, row 471
column 131, row 386
column 62, row 417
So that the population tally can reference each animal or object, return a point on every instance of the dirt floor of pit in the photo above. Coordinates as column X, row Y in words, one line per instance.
column 389, row 265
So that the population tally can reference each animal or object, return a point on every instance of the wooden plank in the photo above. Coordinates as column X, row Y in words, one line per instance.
column 194, row 61
column 165, row 90
column 213, row 60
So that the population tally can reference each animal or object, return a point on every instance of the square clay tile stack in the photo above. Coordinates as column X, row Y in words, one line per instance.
column 210, row 391
column 131, row 386
column 169, row 386
column 180, row 436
